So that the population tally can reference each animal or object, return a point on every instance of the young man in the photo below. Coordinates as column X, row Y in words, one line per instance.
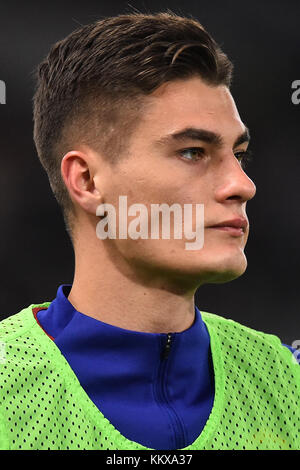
column 139, row 106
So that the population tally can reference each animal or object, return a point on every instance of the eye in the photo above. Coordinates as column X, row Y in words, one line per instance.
column 192, row 154
column 244, row 157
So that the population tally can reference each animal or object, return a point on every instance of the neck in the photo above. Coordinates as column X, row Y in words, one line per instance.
column 107, row 288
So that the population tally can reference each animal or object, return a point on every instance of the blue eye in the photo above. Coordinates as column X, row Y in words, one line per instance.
column 192, row 154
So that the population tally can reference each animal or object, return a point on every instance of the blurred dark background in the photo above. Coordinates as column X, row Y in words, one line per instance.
column 263, row 41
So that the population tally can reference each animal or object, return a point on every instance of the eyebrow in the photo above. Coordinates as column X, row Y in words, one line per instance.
column 204, row 135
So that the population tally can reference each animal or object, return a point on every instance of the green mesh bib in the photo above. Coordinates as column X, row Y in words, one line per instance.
column 43, row 406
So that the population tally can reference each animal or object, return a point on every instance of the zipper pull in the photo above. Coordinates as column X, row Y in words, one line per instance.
column 167, row 348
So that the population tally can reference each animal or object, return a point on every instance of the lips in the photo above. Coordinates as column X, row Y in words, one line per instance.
column 239, row 222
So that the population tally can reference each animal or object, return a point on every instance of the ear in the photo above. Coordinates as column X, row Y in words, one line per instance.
column 77, row 174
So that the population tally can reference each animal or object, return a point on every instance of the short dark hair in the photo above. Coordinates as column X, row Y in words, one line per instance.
column 91, row 85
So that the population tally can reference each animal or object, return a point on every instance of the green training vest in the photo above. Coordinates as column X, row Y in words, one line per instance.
column 43, row 406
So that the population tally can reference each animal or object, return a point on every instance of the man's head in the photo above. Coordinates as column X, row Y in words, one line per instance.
column 107, row 98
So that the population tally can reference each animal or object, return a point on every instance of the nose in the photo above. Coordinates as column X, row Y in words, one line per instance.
column 235, row 184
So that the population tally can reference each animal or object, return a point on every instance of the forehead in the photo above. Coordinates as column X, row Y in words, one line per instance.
column 191, row 103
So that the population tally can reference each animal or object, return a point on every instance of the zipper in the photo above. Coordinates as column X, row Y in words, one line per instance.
column 167, row 348
column 162, row 398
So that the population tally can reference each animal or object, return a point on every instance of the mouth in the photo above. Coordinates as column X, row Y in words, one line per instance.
column 236, row 227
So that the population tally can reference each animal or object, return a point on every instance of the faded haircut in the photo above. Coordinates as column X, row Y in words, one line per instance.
column 91, row 85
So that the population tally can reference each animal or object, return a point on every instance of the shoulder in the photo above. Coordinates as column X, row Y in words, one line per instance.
column 226, row 325
column 28, row 357
column 23, row 348
column 246, row 340
column 17, row 324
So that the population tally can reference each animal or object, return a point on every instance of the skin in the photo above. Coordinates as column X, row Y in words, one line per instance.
column 149, row 285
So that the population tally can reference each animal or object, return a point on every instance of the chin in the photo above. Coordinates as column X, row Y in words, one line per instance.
column 216, row 268
column 226, row 276
column 225, row 271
